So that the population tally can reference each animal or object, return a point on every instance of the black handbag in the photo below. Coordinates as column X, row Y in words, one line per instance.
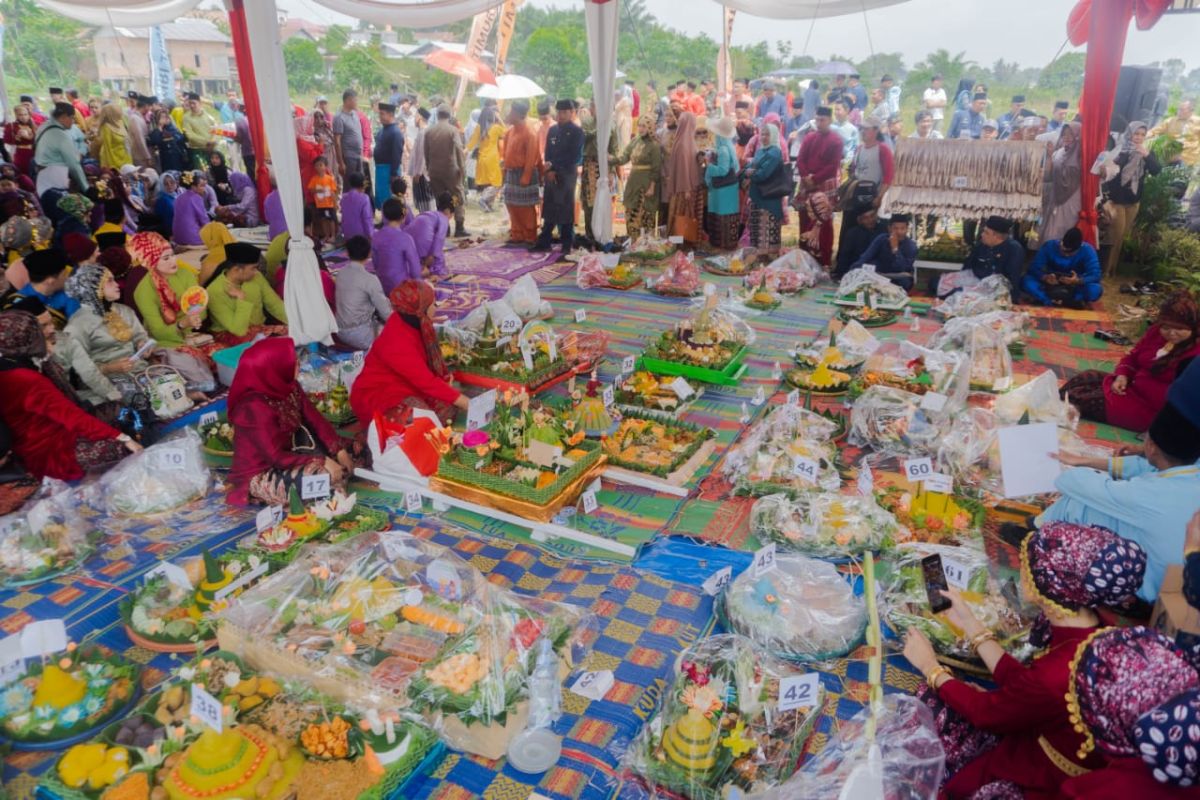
column 728, row 179
column 781, row 183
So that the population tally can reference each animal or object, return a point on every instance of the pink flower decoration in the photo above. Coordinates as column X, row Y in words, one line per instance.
column 475, row 438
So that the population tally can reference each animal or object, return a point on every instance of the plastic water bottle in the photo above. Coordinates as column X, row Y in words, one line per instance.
column 545, row 689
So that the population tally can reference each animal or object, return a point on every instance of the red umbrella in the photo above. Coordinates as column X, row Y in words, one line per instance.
column 461, row 65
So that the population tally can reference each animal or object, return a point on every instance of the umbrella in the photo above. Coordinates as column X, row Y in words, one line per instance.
column 617, row 74
column 792, row 73
column 511, row 87
column 461, row 65
column 836, row 68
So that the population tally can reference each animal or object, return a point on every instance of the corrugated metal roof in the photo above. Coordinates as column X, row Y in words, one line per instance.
column 187, row 29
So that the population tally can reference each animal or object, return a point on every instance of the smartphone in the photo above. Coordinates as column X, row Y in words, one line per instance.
column 935, row 583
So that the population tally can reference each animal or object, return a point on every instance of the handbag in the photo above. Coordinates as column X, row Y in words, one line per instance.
column 685, row 226
column 728, row 179
column 781, row 183
column 166, row 389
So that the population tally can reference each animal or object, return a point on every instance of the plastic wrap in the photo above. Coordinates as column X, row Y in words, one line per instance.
column 1038, row 399
column 765, row 460
column 901, row 364
column 790, row 273
column 46, row 537
column 707, row 318
column 389, row 620
column 525, row 299
column 649, row 247
column 993, row 293
column 497, row 313
column 681, row 278
column 877, row 291
column 996, row 606
column 739, row 262
column 963, row 451
column 854, row 344
column 907, row 756
column 721, row 729
column 829, row 526
column 327, row 382
column 803, row 610
column 160, row 478
column 1011, row 325
column 892, row 421
column 991, row 363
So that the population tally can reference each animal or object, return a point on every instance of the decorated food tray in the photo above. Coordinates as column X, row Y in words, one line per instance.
column 944, row 248
column 648, row 248
column 819, row 381
column 681, row 278
column 866, row 288
column 624, row 277
column 729, row 724
column 46, row 539
column 737, row 264
column 651, row 444
column 652, row 393
column 933, row 516
column 527, row 359
column 789, row 451
column 868, row 317
column 217, row 437
column 277, row 740
column 762, row 298
column 709, row 346
column 730, row 374
column 333, row 519
column 833, row 527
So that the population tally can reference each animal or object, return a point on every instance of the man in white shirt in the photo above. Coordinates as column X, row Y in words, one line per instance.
column 891, row 94
column 925, row 127
column 934, row 100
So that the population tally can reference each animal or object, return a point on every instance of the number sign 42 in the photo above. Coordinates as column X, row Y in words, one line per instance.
column 798, row 691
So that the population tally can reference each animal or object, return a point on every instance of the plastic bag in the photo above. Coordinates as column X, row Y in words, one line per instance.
column 907, row 747
column 526, row 301
column 963, row 451
column 722, row 727
column 709, row 321
column 649, row 247
column 901, row 364
column 1011, row 325
column 160, row 478
column 996, row 606
column 803, row 610
column 993, row 293
column 765, row 460
column 390, row 620
column 854, row 344
column 877, row 291
column 738, row 262
column 46, row 537
column 832, row 526
column 991, row 363
column 1039, row 400
column 681, row 278
column 788, row 274
column 892, row 421
column 499, row 314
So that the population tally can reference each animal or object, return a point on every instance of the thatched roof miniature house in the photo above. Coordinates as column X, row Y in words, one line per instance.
column 967, row 179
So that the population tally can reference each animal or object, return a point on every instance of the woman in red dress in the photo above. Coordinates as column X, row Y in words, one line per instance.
column 279, row 436
column 1140, row 700
column 404, row 368
column 1017, row 740
column 19, row 135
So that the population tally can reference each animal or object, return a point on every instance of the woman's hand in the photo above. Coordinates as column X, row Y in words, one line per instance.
column 235, row 292
column 191, row 320
column 1120, row 384
column 346, row 460
column 120, row 366
column 919, row 651
column 462, row 401
column 1130, row 450
column 961, row 616
column 336, row 473
column 132, row 446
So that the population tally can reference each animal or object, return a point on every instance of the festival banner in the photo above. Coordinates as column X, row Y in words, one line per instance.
column 162, row 78
column 724, row 58
column 508, row 21
column 481, row 26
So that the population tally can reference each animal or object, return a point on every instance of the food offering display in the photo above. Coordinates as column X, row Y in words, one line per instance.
column 327, row 383
column 527, row 358
column 681, row 278
column 334, row 404
column 217, row 437
column 389, row 621
column 589, row 413
column 993, row 293
column 160, row 478
column 790, row 451
column 595, row 273
column 708, row 347
column 663, row 394
column 221, row 731
column 865, row 288
column 868, row 316
column 803, row 610
column 892, row 421
column 761, row 297
column 333, row 519
column 47, row 538
column 735, row 720
column 737, row 263
column 916, row 370
column 650, row 444
column 825, row 370
column 833, row 352
column 931, row 516
column 945, row 248
column 647, row 248
column 832, row 527
column 789, row 274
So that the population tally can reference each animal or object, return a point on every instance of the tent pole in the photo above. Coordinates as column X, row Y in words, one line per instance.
column 246, row 77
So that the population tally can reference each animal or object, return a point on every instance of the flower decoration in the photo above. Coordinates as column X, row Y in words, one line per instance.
column 705, row 699
column 737, row 743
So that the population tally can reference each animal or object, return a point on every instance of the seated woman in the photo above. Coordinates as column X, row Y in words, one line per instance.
column 19, row 237
column 219, row 178
column 242, row 209
column 164, row 198
column 404, row 368
column 1020, row 732
column 279, row 436
column 216, row 238
column 239, row 298
column 52, row 436
column 1138, row 700
column 159, row 299
column 191, row 213
column 1136, row 390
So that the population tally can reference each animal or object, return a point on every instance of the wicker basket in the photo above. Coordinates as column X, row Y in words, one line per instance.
column 450, row 469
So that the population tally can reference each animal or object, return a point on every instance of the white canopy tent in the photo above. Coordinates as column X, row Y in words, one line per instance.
column 804, row 9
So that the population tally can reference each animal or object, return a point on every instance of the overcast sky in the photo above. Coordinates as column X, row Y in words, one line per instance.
column 1027, row 31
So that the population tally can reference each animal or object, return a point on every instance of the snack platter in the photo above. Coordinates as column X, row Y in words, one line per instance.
column 656, row 452
column 729, row 375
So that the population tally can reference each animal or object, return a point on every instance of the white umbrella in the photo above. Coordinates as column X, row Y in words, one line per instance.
column 511, row 87
column 617, row 74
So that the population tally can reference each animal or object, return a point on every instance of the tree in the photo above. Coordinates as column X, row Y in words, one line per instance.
column 1173, row 69
column 950, row 67
column 305, row 66
column 335, row 40
column 784, row 48
column 1064, row 74
column 882, row 64
column 41, row 47
column 556, row 58
column 359, row 67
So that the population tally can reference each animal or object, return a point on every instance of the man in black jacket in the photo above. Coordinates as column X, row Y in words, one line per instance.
column 858, row 238
column 996, row 253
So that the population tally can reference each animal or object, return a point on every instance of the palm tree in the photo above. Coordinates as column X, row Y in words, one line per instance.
column 635, row 15
column 950, row 67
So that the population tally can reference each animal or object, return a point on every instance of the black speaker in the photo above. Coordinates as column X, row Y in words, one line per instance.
column 1138, row 98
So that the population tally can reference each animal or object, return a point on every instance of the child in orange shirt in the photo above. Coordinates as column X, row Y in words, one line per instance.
column 325, row 198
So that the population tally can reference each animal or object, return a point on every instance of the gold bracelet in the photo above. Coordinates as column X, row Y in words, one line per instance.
column 978, row 639
column 939, row 672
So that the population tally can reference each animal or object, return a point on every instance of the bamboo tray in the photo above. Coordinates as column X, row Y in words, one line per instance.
column 521, row 508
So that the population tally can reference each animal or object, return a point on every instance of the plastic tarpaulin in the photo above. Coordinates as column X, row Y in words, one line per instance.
column 602, row 29
column 121, row 13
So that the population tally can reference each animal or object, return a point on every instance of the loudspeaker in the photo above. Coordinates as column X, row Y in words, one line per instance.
column 1138, row 98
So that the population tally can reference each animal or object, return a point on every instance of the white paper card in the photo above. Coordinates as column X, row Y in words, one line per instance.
column 593, row 685
column 717, row 582
column 510, row 325
column 940, row 483
column 710, row 289
column 167, row 459
column 1028, row 458
column 917, row 469
column 798, row 691
column 595, row 486
column 480, row 410
column 12, row 660
column 866, row 480
column 868, row 268
column 314, row 487
column 208, row 418
column 1002, row 384
column 527, row 356
column 590, row 503
column 764, row 560
column 412, row 502
column 609, row 395
column 956, row 573
column 43, row 637
column 207, row 708
column 681, row 388
column 542, row 454
column 805, row 469
column 243, row 580
column 581, row 315
column 502, row 341
column 675, row 239
column 173, row 573
column 269, row 517
column 793, row 397
column 933, row 402
column 760, row 397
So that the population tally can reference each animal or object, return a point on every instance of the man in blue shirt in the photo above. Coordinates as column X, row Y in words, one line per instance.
column 892, row 253
column 47, row 277
column 1064, row 272
column 771, row 102
column 1008, row 122
column 858, row 90
column 564, row 152
column 968, row 122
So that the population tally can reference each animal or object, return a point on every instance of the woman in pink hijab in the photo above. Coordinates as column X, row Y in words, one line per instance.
column 684, row 180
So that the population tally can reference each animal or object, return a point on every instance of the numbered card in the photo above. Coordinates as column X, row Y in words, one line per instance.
column 917, row 469
column 806, row 469
column 269, row 517
column 764, row 560
column 173, row 573
column 207, row 708
column 314, row 487
column 356, row 360
column 412, row 502
column 590, row 503
column 593, row 685
column 628, row 364
column 609, row 395
column 717, row 582
column 868, row 268
column 480, row 410
column 799, row 691
column 956, row 573
column 710, row 289
column 793, row 397
column 208, row 418
column 1002, row 384
column 581, row 315
column 12, row 660
column 681, row 388
column 168, row 459
column 940, row 483
column 510, row 325
column 675, row 239
column 760, row 397
column 933, row 402
column 243, row 580
column 776, row 372
column 866, row 480
column 542, row 454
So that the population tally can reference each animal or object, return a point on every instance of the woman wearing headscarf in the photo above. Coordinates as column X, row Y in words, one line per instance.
column 190, row 212
column 72, row 215
column 19, row 135
column 52, row 436
column 25, row 187
column 279, row 436
column 216, row 238
column 1124, row 170
column 963, row 93
column 486, row 137
column 218, row 179
column 243, row 211
column 113, row 138
column 765, row 213
column 159, row 296
column 644, row 155
column 308, row 149
column 1137, row 698
column 170, row 143
column 19, row 237
column 164, row 198
column 1020, row 732
column 623, row 122
column 1136, row 390
column 1060, row 185
column 684, row 179
column 720, row 176
column 404, row 368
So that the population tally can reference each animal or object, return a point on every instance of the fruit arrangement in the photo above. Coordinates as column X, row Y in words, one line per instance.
column 648, row 444
column 827, row 526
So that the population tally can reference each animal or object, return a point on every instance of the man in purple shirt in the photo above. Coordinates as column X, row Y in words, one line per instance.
column 429, row 230
column 273, row 214
column 393, row 253
column 358, row 217
column 190, row 214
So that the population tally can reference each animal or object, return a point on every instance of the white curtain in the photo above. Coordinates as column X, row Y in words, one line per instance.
column 409, row 13
column 121, row 13
column 805, row 9
column 309, row 317
column 602, row 30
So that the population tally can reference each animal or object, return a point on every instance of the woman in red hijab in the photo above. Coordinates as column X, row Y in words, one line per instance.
column 279, row 436
column 404, row 367
column 1137, row 389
